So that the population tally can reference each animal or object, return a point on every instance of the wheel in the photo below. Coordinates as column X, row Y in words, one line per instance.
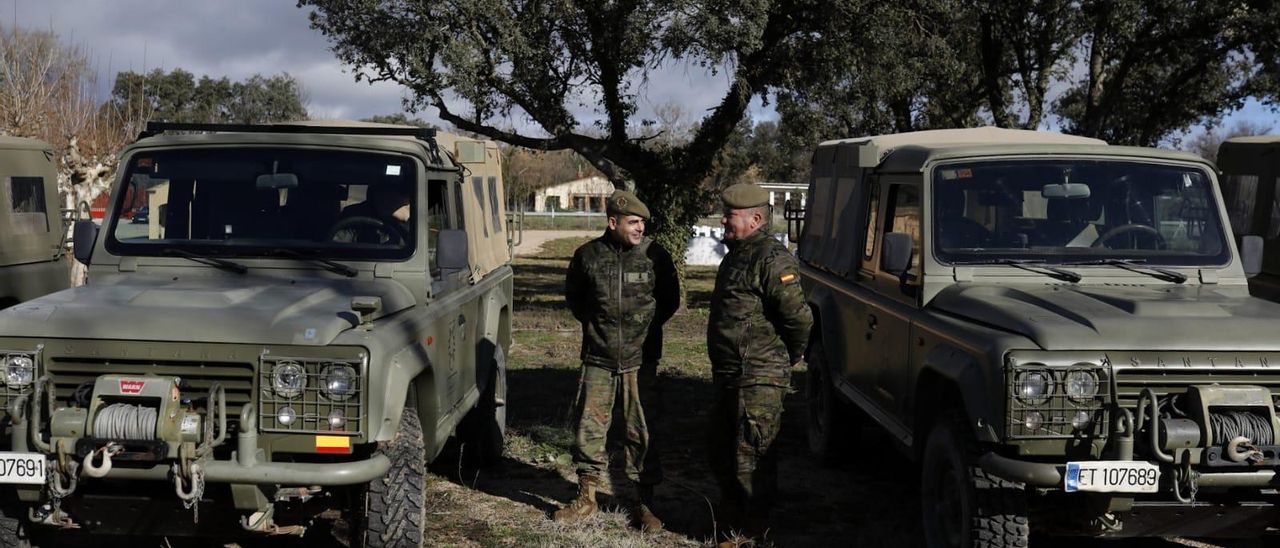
column 832, row 426
column 361, row 229
column 962, row 505
column 1132, row 227
column 483, row 432
column 391, row 512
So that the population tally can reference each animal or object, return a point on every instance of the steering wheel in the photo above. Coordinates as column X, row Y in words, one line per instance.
column 357, row 229
column 1131, row 227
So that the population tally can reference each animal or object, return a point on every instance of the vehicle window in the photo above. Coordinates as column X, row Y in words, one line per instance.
column 493, row 205
column 257, row 201
column 29, row 212
column 1077, row 210
column 477, row 187
column 1240, row 191
column 873, row 209
column 1273, row 229
column 436, row 219
column 904, row 217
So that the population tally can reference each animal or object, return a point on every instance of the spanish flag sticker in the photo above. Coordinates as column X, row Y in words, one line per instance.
column 333, row 444
column 788, row 278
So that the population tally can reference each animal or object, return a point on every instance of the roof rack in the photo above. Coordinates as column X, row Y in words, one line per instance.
column 426, row 135
column 156, row 128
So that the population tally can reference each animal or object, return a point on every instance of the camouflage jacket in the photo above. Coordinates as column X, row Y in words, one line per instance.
column 622, row 297
column 760, row 322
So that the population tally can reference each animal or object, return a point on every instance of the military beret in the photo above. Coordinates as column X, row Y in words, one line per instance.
column 622, row 202
column 744, row 195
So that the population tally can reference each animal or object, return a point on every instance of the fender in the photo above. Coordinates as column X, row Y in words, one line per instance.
column 952, row 376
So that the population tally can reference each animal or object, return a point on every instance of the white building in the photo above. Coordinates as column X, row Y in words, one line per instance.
column 588, row 194
column 779, row 193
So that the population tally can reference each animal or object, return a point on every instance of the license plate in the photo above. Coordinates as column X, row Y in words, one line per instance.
column 22, row 468
column 1112, row 476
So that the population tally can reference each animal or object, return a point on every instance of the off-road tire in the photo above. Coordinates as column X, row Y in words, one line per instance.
column 483, row 432
column 991, row 512
column 391, row 511
column 832, row 425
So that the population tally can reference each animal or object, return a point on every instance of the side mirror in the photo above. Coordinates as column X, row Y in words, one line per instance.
column 452, row 250
column 82, row 238
column 1251, row 254
column 895, row 253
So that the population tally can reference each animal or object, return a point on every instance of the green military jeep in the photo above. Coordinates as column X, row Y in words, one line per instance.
column 31, row 253
column 1060, row 331
column 306, row 316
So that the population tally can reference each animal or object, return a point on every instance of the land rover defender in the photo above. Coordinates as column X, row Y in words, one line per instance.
column 1059, row 331
column 306, row 316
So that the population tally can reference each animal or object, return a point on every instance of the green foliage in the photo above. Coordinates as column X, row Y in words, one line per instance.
column 399, row 118
column 575, row 69
column 177, row 96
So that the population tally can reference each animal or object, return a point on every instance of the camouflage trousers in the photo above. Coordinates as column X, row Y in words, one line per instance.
column 599, row 392
column 744, row 423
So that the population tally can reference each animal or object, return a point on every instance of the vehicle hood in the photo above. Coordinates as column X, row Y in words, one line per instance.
column 247, row 309
column 1097, row 317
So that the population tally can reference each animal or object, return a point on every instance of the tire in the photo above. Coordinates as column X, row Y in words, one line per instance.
column 391, row 511
column 483, row 432
column 831, row 426
column 962, row 505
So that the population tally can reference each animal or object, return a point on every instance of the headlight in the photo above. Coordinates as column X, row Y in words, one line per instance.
column 1081, row 385
column 19, row 370
column 1033, row 387
column 339, row 381
column 288, row 379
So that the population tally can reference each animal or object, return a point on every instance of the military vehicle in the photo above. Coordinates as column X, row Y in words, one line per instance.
column 1250, row 174
column 1058, row 330
column 309, row 314
column 32, row 257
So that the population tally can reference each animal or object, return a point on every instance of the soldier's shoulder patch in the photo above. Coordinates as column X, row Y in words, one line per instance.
column 789, row 278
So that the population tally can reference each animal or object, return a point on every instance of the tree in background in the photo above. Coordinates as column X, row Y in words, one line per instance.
column 399, row 119
column 576, row 69
column 1206, row 144
column 177, row 96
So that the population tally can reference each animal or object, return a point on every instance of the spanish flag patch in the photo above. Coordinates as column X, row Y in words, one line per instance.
column 789, row 278
column 333, row 444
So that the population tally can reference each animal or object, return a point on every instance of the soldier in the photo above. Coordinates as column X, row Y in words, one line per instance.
column 621, row 287
column 758, row 330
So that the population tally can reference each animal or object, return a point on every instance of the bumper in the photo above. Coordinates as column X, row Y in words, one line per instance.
column 1043, row 475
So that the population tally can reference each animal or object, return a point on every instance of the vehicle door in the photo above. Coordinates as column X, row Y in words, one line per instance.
column 855, row 347
column 894, row 299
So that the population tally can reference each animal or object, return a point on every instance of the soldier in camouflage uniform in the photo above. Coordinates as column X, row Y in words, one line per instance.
column 622, row 287
column 758, row 329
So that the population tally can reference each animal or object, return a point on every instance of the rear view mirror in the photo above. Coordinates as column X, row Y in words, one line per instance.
column 895, row 255
column 1065, row 190
column 1251, row 254
column 273, row 181
column 82, row 238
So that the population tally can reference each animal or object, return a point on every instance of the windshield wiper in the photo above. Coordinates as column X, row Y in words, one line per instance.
column 330, row 265
column 1030, row 265
column 204, row 259
column 1136, row 265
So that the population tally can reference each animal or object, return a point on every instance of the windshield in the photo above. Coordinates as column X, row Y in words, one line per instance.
column 1064, row 211
column 256, row 201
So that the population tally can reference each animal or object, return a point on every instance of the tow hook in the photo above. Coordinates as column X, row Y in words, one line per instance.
column 1240, row 449
column 107, row 451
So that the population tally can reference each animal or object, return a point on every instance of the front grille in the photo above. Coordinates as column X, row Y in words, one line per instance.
column 237, row 378
column 311, row 407
column 1176, row 379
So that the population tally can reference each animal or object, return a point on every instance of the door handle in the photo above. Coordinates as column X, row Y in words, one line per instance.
column 871, row 325
column 462, row 320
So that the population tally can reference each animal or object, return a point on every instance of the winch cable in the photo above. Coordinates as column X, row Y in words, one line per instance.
column 1233, row 424
column 122, row 421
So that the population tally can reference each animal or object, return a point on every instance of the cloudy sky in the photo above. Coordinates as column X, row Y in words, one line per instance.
column 239, row 38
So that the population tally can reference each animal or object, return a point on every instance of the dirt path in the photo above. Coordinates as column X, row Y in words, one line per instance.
column 533, row 239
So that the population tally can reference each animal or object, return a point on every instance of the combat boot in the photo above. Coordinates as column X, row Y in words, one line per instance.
column 642, row 509
column 582, row 507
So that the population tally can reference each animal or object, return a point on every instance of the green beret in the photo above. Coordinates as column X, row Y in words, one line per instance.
column 622, row 202
column 745, row 195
